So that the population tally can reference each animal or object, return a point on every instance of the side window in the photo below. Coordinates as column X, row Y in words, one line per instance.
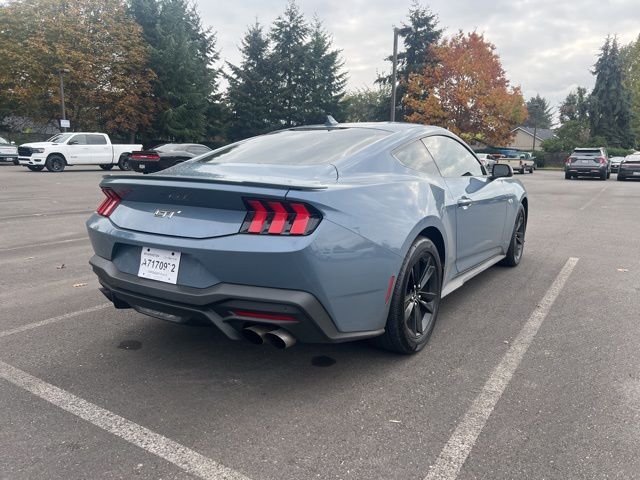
column 198, row 149
column 96, row 140
column 452, row 158
column 416, row 156
column 78, row 140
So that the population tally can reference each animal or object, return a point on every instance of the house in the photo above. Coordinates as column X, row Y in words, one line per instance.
column 523, row 138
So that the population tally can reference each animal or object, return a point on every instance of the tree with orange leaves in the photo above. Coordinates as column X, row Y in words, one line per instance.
column 467, row 92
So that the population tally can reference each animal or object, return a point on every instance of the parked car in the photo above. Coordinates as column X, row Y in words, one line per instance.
column 165, row 156
column 630, row 167
column 321, row 234
column 593, row 162
column 8, row 151
column 521, row 163
column 487, row 160
column 78, row 148
column 615, row 163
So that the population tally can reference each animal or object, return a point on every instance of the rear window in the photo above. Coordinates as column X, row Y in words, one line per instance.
column 588, row 153
column 297, row 147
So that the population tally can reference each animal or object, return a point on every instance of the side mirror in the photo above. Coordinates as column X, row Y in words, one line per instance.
column 72, row 142
column 12, row 142
column 501, row 170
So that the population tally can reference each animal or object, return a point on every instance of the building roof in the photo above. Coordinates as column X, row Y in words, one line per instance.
column 541, row 133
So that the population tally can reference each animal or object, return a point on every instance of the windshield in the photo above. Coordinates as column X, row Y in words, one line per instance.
column 2, row 140
column 166, row 147
column 314, row 146
column 61, row 137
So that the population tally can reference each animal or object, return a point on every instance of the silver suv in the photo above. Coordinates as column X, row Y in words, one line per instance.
column 592, row 162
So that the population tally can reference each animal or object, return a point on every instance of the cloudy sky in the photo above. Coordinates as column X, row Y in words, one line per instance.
column 546, row 46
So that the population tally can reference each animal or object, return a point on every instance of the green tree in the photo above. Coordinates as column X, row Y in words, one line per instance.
column 182, row 56
column 96, row 47
column 325, row 78
column 250, row 94
column 289, row 61
column 630, row 55
column 610, row 101
column 367, row 104
column 419, row 35
column 575, row 106
column 539, row 113
column 572, row 134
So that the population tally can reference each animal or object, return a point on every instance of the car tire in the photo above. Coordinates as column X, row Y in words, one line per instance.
column 414, row 306
column 55, row 163
column 608, row 175
column 621, row 178
column 531, row 170
column 523, row 171
column 35, row 168
column 106, row 166
column 123, row 163
column 603, row 176
column 516, row 245
column 567, row 176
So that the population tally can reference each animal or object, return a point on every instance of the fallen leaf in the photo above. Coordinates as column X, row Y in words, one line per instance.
column 60, row 267
column 76, row 285
column 395, row 421
column 623, row 269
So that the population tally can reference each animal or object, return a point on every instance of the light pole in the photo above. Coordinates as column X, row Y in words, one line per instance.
column 64, row 115
column 394, row 73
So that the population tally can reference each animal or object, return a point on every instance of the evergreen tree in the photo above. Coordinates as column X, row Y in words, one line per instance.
column 367, row 105
column 539, row 113
column 182, row 52
column 325, row 79
column 289, row 61
column 419, row 35
column 610, row 102
column 575, row 106
column 250, row 93
column 631, row 67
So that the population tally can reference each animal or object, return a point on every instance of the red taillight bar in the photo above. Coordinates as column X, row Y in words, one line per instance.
column 144, row 156
column 276, row 217
column 109, row 204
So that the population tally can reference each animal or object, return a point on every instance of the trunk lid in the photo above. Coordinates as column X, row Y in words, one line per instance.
column 210, row 202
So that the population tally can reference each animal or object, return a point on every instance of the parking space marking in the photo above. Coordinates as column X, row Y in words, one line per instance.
column 30, row 326
column 44, row 244
column 459, row 445
column 594, row 198
column 188, row 460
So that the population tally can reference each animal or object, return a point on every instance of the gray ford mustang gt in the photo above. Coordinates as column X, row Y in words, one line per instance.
column 325, row 233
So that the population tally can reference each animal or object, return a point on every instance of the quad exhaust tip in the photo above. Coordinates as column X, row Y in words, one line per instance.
column 260, row 334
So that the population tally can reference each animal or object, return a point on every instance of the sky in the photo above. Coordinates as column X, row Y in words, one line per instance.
column 547, row 47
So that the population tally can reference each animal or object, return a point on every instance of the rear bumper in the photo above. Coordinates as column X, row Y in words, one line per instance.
column 223, row 305
column 586, row 171
column 629, row 172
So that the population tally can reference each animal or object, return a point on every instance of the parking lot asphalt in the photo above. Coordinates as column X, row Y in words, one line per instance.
column 87, row 391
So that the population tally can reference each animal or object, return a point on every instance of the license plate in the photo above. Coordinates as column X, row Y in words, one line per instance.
column 636, row 173
column 160, row 265
column 585, row 162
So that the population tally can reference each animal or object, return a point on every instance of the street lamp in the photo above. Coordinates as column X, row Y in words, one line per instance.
column 64, row 115
column 394, row 73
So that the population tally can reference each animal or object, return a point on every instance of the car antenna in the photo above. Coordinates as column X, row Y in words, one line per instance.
column 330, row 122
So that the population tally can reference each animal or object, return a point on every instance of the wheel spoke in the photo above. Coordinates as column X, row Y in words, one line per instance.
column 428, row 296
column 428, row 306
column 417, row 320
column 428, row 273
column 408, row 308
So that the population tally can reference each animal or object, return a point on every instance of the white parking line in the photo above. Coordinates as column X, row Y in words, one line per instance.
column 457, row 449
column 41, row 323
column 179, row 455
column 44, row 244
column 594, row 198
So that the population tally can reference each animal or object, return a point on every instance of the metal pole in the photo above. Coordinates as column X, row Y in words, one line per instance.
column 64, row 116
column 394, row 74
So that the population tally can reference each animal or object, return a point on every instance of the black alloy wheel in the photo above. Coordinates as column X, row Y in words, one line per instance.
column 415, row 301
column 516, row 247
column 55, row 163
column 106, row 166
column 123, row 163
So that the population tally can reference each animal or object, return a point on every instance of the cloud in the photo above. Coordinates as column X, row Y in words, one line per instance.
column 548, row 47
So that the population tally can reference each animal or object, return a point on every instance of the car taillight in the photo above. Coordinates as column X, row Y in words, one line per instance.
column 602, row 160
column 569, row 160
column 109, row 204
column 276, row 217
column 140, row 156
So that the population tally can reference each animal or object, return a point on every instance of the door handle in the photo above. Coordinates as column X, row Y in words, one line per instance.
column 465, row 202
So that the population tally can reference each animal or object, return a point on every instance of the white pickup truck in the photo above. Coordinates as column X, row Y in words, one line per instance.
column 77, row 148
column 522, row 162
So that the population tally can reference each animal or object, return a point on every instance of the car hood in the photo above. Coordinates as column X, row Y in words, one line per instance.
column 38, row 144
